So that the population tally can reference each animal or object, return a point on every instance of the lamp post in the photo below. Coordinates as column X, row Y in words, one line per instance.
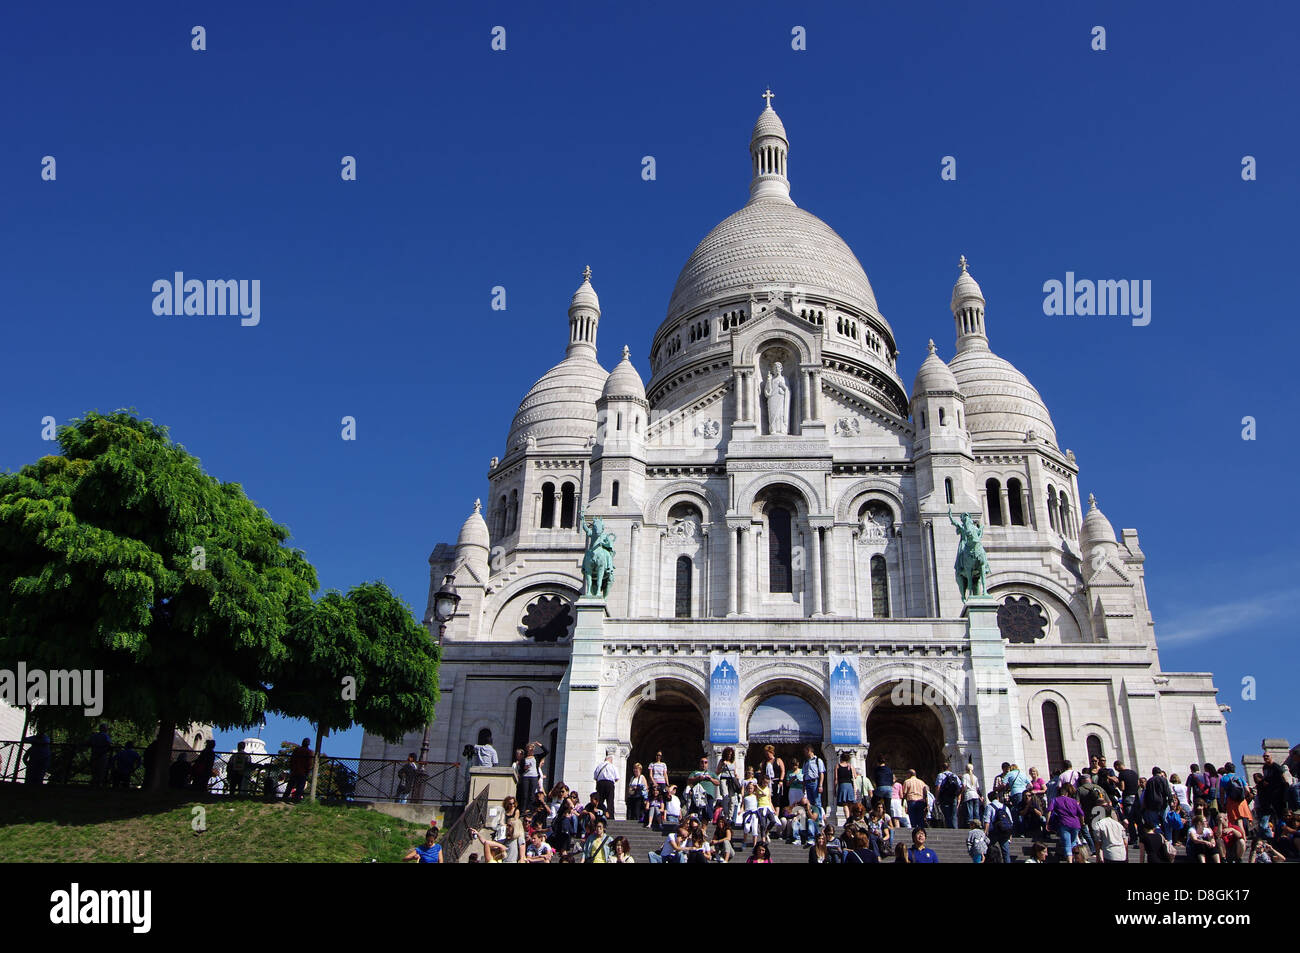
column 445, row 601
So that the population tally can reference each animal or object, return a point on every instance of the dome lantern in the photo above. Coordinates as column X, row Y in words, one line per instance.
column 584, row 318
column 768, row 151
column 968, row 310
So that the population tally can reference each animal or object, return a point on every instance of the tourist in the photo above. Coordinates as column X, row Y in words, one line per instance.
column 703, row 786
column 1198, row 789
column 880, row 827
column 299, row 767
column 766, row 811
column 1080, row 855
column 999, row 827
column 638, row 794
column 1016, row 783
column 100, row 745
column 1156, row 798
column 1066, row 819
column 592, row 812
column 493, row 852
column 124, row 765
column 1152, row 846
column 1202, row 844
column 728, row 783
column 1231, row 839
column 751, row 820
column 814, row 771
column 659, row 771
column 1261, row 852
column 970, row 795
column 918, row 853
column 237, row 769
column 674, row 844
column 1111, row 839
column 915, row 792
column 1128, row 786
column 512, row 822
column 485, row 756
column 1272, row 791
column 1037, row 853
column 845, row 793
column 723, row 849
column 698, row 850
column 882, row 776
column 863, row 787
column 896, row 805
column 948, row 791
column 773, row 769
column 598, row 846
column 427, row 853
column 761, row 854
column 530, row 772
column 794, row 784
column 1181, row 794
column 654, row 811
column 538, row 851
column 860, row 850
column 1033, row 813
column 607, row 778
column 817, row 853
column 834, row 842
column 406, row 776
column 1067, row 775
column 622, row 852
column 901, row 854
column 564, row 828
column 977, row 842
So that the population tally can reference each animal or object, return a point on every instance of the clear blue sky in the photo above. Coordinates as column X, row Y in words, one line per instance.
column 478, row 169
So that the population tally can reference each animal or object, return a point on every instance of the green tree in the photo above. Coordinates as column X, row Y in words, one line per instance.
column 358, row 659
column 120, row 554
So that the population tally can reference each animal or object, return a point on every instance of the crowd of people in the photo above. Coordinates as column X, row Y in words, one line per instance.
column 721, row 813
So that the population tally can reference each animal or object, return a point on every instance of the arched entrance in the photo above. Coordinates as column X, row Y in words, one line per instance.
column 909, row 736
column 787, row 723
column 670, row 721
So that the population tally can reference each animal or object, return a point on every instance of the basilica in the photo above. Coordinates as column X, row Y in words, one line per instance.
column 784, row 517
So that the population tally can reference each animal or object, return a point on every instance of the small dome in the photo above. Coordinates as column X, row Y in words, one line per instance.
column 624, row 381
column 769, row 124
column 560, row 409
column 966, row 288
column 1095, row 528
column 934, row 376
column 474, row 531
column 585, row 296
column 1001, row 404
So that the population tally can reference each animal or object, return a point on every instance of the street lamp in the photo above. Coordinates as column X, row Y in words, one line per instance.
column 445, row 601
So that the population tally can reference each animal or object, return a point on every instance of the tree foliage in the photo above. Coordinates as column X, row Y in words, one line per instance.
column 120, row 554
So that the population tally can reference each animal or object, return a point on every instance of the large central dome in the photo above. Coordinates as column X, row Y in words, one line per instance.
column 771, row 241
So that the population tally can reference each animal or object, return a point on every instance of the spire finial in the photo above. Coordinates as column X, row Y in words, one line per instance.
column 586, row 273
column 769, row 96
column 1092, row 501
column 931, row 345
column 627, row 352
column 962, row 261
column 478, row 505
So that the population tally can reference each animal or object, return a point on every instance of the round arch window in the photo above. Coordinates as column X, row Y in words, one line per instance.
column 547, row 619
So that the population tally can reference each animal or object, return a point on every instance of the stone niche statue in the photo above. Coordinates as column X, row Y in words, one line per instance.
column 972, row 564
column 598, row 560
column 777, row 391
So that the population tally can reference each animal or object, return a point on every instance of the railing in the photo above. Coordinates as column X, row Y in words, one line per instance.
column 339, row 779
column 457, row 838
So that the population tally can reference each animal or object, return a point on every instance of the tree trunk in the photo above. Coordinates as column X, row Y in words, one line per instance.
column 162, row 756
column 315, row 762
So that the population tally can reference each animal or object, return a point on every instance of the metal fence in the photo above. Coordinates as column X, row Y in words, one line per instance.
column 339, row 779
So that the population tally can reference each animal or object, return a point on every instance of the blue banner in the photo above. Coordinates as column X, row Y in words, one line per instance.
column 846, row 705
column 724, row 698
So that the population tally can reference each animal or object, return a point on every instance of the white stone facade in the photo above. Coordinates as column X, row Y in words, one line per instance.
column 790, row 527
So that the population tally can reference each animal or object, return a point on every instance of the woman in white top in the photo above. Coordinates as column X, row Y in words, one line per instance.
column 659, row 770
column 970, row 795
column 751, row 817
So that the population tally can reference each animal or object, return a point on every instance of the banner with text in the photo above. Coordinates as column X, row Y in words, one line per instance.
column 846, row 708
column 724, row 698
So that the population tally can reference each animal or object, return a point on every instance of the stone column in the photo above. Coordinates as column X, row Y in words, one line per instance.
column 738, row 382
column 635, row 530
column 743, row 582
column 1006, row 508
column 828, row 573
column 816, row 548
column 733, row 569
column 706, row 574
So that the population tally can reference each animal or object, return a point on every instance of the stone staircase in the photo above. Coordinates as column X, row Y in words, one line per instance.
column 950, row 845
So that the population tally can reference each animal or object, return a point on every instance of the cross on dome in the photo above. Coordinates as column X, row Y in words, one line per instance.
column 769, row 96
column 586, row 273
column 962, row 261
column 627, row 352
column 1092, row 501
column 478, row 505
column 931, row 345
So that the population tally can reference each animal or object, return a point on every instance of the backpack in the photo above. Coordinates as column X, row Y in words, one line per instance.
column 1201, row 786
column 950, row 788
column 1235, row 791
column 1002, row 826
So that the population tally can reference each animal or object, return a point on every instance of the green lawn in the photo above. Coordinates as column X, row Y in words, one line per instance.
column 56, row 824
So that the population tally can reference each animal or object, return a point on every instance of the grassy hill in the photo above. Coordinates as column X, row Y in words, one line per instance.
column 58, row 824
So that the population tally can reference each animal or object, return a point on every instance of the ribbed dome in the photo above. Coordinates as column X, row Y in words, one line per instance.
column 474, row 531
column 934, row 376
column 1095, row 527
column 624, row 381
column 1001, row 404
column 771, row 242
column 769, row 124
column 560, row 409
column 585, row 296
column 966, row 289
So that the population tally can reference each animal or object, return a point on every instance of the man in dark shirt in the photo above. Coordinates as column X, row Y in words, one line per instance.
column 1156, row 798
column 1271, row 796
column 1128, row 787
column 882, row 776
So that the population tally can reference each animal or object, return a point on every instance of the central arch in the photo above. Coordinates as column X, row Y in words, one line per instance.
column 668, row 719
column 903, row 725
